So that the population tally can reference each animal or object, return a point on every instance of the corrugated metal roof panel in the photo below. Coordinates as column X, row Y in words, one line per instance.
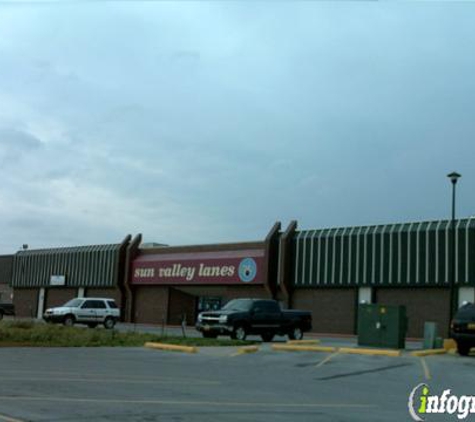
column 414, row 253
column 81, row 266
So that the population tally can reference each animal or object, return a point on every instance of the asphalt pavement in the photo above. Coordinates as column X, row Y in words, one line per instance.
column 217, row 384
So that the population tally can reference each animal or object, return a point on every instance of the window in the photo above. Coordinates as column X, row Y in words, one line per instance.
column 99, row 304
column 112, row 304
column 74, row 303
column 238, row 305
column 209, row 303
column 88, row 304
column 266, row 306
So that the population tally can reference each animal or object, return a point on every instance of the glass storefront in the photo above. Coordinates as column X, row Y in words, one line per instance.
column 209, row 303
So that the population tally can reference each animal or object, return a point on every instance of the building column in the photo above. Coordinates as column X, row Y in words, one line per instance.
column 128, row 306
column 272, row 260
column 41, row 303
column 285, row 265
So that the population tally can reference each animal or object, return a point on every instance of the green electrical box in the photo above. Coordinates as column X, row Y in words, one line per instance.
column 430, row 335
column 382, row 326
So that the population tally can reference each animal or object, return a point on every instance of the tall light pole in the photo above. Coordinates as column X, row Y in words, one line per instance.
column 454, row 176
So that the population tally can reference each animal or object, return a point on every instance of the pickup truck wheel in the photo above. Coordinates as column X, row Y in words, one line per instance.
column 296, row 334
column 463, row 349
column 68, row 321
column 109, row 323
column 239, row 333
column 267, row 337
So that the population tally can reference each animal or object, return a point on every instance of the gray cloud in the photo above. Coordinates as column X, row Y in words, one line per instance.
column 16, row 145
column 18, row 140
column 202, row 122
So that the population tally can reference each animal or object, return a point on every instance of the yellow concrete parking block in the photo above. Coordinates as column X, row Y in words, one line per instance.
column 429, row 352
column 303, row 348
column 450, row 344
column 303, row 342
column 245, row 349
column 248, row 349
column 374, row 352
column 171, row 347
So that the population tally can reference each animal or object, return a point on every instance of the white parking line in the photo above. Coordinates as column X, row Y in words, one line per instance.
column 4, row 418
column 188, row 403
column 110, row 380
column 425, row 367
column 97, row 376
column 327, row 359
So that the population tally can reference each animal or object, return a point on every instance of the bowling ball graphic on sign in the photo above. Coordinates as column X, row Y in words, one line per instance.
column 247, row 270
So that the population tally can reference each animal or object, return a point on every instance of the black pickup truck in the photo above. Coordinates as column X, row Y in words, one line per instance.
column 463, row 328
column 241, row 317
column 6, row 309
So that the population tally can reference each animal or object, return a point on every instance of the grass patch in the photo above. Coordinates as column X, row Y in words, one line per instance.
column 30, row 334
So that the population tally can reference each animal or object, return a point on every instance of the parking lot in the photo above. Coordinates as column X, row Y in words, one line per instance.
column 139, row 384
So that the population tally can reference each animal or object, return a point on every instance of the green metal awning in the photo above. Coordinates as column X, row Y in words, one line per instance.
column 394, row 254
column 82, row 266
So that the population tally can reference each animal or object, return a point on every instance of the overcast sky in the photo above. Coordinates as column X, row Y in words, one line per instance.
column 202, row 122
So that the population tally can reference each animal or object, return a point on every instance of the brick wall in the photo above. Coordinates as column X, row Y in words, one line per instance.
column 150, row 304
column 25, row 301
column 422, row 304
column 6, row 265
column 106, row 293
column 153, row 303
column 59, row 296
column 226, row 292
column 5, row 293
column 333, row 310
column 180, row 304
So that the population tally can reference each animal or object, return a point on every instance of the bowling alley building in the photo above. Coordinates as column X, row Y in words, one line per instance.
column 329, row 271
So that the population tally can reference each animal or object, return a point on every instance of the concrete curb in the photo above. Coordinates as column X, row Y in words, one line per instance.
column 376, row 352
column 171, row 347
column 303, row 348
column 303, row 342
column 429, row 352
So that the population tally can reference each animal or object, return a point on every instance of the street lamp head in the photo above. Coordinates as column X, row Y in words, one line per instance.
column 454, row 176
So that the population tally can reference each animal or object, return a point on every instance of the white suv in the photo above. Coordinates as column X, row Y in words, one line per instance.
column 85, row 310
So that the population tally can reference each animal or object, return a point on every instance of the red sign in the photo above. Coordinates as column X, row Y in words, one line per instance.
column 228, row 267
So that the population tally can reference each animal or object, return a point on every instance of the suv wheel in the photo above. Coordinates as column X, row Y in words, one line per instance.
column 109, row 323
column 463, row 349
column 68, row 321
column 239, row 333
column 296, row 334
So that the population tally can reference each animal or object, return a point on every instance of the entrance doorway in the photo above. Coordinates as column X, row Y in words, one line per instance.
column 209, row 303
